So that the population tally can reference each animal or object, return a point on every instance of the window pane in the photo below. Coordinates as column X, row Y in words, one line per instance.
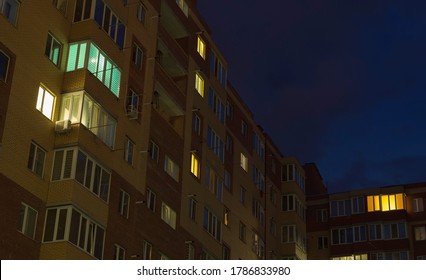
column 72, row 57
column 82, row 55
column 61, row 224
column 30, row 224
column 400, row 201
column 75, row 225
column 50, row 225
column 385, row 203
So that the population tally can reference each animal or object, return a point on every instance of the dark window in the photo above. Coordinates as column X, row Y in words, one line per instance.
column 4, row 66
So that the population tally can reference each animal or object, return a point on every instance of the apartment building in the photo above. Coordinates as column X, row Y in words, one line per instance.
column 375, row 224
column 121, row 138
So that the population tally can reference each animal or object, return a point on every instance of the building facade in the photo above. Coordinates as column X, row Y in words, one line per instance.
column 375, row 224
column 121, row 138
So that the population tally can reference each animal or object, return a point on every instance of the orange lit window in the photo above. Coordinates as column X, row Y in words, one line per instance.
column 385, row 202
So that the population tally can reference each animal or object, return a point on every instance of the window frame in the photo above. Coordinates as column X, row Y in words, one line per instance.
column 171, row 168
column 40, row 103
column 201, row 47
column 33, row 158
column 138, row 55
column 129, row 151
column 51, row 43
column 13, row 19
column 124, row 204
column 199, row 84
column 6, row 69
column 168, row 215
column 150, row 199
column 25, row 226
column 119, row 252
column 141, row 13
column 195, row 166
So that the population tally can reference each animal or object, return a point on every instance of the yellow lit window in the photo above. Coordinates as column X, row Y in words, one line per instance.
column 199, row 84
column 45, row 102
column 244, row 162
column 195, row 166
column 385, row 202
column 400, row 201
column 201, row 47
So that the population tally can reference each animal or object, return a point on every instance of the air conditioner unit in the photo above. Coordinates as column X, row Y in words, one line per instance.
column 63, row 126
column 132, row 112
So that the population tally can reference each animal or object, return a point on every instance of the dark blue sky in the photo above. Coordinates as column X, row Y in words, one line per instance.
column 341, row 83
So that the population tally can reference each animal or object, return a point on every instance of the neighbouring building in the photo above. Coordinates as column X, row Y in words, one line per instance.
column 375, row 224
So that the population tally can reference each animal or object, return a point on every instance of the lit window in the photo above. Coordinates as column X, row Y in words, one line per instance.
column 201, row 47
column 141, row 15
column 61, row 5
column 171, row 168
column 87, row 55
column 199, row 84
column 258, row 245
column 226, row 216
column 119, row 252
column 27, row 220
column 244, row 162
column 420, row 233
column 168, row 215
column 385, row 202
column 183, row 6
column 195, row 165
column 147, row 250
column 53, row 49
column 137, row 56
column 128, row 151
column 36, row 159
column 123, row 205
column 45, row 102
column 10, row 9
column 79, row 107
column 150, row 195
column 98, row 121
column 4, row 66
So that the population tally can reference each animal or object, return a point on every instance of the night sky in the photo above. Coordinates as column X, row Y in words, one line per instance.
column 340, row 83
